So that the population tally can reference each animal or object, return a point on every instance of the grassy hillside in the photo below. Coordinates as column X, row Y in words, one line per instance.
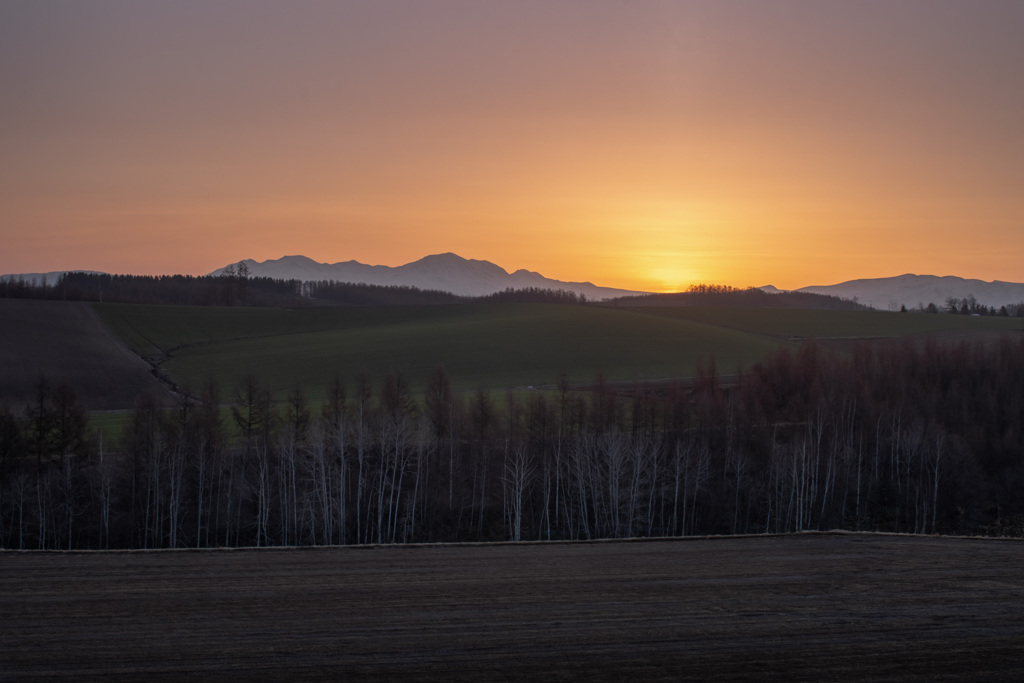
column 66, row 343
column 825, row 324
column 496, row 346
column 492, row 345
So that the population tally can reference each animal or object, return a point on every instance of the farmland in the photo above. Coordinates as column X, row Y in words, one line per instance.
column 801, row 324
column 491, row 346
column 795, row 607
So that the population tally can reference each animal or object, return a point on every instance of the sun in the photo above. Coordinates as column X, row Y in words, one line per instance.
column 664, row 271
column 671, row 279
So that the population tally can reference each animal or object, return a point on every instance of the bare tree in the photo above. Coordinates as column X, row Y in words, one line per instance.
column 518, row 476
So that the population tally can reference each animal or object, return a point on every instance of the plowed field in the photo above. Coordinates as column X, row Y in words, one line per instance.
column 803, row 607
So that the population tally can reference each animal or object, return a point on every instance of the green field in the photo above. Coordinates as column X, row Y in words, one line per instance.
column 494, row 346
column 497, row 346
column 798, row 324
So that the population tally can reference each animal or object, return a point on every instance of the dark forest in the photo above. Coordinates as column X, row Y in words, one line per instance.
column 919, row 438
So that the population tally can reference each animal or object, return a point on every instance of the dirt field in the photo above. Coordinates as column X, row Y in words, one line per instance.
column 804, row 607
column 67, row 342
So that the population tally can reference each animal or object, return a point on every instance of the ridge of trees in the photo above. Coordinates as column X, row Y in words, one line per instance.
column 237, row 288
column 534, row 295
column 230, row 289
column 903, row 438
column 970, row 306
column 751, row 297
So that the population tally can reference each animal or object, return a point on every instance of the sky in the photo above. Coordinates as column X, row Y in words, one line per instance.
column 637, row 144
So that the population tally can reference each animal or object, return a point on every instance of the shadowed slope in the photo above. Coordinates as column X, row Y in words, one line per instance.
column 494, row 346
column 67, row 343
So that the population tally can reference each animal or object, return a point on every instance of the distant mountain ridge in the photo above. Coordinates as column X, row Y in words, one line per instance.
column 449, row 272
column 919, row 290
column 446, row 272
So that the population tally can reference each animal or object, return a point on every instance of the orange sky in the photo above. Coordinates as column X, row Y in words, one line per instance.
column 644, row 145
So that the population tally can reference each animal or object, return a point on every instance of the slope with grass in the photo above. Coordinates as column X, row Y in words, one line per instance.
column 494, row 346
column 65, row 342
column 806, row 324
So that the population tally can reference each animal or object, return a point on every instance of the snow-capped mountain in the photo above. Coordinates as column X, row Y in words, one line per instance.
column 920, row 290
column 445, row 272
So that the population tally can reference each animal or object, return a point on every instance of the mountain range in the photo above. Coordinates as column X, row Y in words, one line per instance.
column 470, row 277
column 445, row 272
column 913, row 291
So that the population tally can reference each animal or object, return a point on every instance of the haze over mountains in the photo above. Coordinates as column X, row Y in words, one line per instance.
column 445, row 272
column 468, row 277
column 919, row 290
column 450, row 272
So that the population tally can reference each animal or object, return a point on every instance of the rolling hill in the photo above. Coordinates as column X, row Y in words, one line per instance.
column 494, row 346
column 65, row 342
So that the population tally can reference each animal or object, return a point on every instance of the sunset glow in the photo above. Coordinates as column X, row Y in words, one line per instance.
column 636, row 145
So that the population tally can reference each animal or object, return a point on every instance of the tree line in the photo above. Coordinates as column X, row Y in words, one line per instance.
column 236, row 287
column 750, row 297
column 970, row 306
column 902, row 438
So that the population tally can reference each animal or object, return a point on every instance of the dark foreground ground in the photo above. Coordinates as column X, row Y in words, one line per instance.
column 821, row 607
